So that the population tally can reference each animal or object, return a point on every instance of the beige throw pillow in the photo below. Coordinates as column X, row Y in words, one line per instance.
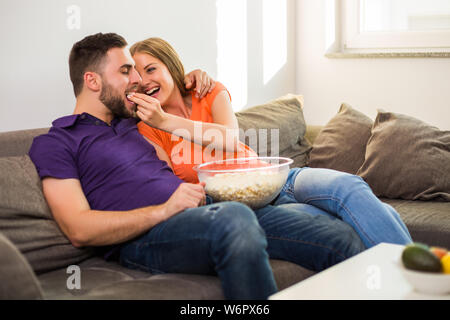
column 341, row 144
column 407, row 158
column 285, row 115
column 26, row 220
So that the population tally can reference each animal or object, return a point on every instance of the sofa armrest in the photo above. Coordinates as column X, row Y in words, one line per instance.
column 17, row 278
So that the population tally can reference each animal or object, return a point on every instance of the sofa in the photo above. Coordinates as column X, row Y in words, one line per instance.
column 35, row 255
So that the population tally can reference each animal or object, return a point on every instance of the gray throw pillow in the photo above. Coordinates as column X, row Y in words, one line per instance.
column 26, row 220
column 276, row 128
column 407, row 159
column 341, row 144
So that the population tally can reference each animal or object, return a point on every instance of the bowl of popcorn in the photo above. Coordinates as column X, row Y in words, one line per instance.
column 254, row 181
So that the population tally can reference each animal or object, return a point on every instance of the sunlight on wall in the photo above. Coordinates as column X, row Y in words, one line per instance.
column 330, row 23
column 232, row 49
column 274, row 37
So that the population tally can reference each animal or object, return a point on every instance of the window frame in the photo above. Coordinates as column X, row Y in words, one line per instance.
column 350, row 42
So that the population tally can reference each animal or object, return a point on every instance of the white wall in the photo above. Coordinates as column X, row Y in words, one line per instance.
column 35, row 87
column 35, row 42
column 419, row 87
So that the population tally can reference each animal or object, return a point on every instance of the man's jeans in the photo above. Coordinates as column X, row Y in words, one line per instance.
column 235, row 242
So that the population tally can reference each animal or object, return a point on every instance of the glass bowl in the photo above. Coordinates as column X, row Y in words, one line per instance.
column 254, row 181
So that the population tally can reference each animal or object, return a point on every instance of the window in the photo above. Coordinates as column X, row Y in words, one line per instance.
column 390, row 28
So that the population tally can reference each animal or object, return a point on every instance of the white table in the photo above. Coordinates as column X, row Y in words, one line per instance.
column 370, row 275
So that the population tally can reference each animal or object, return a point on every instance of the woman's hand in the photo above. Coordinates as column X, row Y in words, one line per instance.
column 149, row 109
column 200, row 81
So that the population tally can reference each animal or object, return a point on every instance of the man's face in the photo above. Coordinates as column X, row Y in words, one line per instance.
column 119, row 78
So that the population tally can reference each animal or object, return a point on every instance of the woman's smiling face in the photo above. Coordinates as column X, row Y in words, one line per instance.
column 157, row 81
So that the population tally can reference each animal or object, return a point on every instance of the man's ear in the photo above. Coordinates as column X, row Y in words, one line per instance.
column 93, row 81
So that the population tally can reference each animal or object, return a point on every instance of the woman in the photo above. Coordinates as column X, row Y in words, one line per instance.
column 208, row 121
column 167, row 107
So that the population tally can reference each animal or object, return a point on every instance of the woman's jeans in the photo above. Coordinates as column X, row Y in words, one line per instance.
column 234, row 242
column 347, row 197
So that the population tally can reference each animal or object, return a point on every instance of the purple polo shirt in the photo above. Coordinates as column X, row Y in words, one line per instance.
column 117, row 168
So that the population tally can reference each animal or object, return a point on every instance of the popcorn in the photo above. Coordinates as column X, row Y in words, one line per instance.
column 253, row 188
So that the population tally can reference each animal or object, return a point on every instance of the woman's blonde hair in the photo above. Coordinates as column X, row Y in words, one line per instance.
column 163, row 51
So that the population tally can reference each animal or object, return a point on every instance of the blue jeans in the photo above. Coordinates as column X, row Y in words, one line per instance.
column 232, row 241
column 346, row 197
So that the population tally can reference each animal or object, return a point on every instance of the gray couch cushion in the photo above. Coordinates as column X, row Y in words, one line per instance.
column 94, row 272
column 17, row 143
column 341, row 144
column 407, row 159
column 27, row 221
column 108, row 280
column 427, row 221
column 101, row 279
column 284, row 114
column 162, row 287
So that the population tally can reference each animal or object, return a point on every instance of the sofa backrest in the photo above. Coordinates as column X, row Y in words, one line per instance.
column 17, row 143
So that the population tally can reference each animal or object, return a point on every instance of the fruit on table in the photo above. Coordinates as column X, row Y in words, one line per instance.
column 422, row 245
column 439, row 252
column 418, row 257
column 445, row 260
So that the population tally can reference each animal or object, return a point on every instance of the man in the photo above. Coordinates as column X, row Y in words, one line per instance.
column 107, row 188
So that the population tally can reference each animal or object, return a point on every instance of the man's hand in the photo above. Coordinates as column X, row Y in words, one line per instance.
column 187, row 195
column 200, row 81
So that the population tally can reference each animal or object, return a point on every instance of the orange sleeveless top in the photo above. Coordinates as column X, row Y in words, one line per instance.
column 184, row 154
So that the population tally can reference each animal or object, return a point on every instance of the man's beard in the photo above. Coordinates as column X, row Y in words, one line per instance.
column 114, row 102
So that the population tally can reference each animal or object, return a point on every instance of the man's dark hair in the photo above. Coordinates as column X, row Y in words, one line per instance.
column 88, row 55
